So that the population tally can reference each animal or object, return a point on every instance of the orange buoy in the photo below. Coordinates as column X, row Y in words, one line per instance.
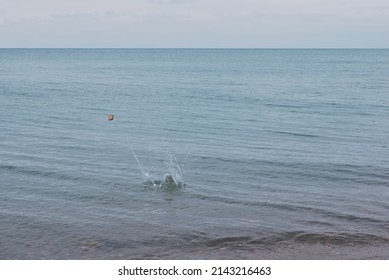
column 110, row 117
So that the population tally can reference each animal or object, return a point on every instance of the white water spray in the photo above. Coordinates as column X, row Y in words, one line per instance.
column 168, row 174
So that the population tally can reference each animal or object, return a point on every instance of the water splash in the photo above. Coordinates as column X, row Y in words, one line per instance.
column 167, row 174
column 140, row 165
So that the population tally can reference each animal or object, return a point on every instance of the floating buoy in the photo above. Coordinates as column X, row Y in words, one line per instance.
column 110, row 117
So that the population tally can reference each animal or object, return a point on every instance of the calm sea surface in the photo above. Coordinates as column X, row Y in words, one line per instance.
column 276, row 154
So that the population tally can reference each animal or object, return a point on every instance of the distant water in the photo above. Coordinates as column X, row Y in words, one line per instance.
column 275, row 154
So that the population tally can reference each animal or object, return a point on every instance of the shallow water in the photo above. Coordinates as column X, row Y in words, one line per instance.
column 279, row 154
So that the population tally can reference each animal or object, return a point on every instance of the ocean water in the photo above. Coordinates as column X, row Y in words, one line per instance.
column 213, row 154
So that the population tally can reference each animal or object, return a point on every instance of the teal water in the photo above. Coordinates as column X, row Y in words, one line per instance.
column 278, row 154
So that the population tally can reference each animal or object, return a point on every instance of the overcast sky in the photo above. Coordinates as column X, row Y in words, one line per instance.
column 194, row 23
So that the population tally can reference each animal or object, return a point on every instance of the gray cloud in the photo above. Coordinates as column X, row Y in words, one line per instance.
column 190, row 23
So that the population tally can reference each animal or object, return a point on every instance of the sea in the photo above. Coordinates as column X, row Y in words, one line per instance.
column 212, row 154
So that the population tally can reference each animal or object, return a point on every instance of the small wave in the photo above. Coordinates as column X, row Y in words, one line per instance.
column 8, row 167
column 339, row 239
column 201, row 245
column 40, row 173
column 228, row 240
column 327, row 239
column 295, row 134
column 284, row 105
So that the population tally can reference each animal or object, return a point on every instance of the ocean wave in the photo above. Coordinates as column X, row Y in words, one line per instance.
column 41, row 173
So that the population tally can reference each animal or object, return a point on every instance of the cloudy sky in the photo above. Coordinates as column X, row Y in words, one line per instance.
column 194, row 23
